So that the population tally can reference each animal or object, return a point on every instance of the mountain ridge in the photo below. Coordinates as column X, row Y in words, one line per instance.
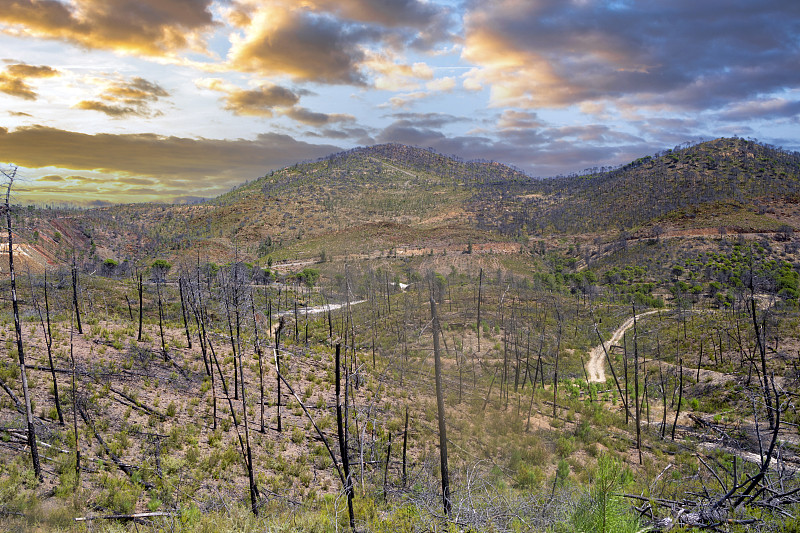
column 425, row 193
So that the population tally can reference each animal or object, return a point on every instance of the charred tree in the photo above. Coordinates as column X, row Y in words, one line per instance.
column 440, row 410
column 342, row 431
column 18, row 332
column 75, row 293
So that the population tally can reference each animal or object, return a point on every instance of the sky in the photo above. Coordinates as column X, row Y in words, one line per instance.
column 118, row 101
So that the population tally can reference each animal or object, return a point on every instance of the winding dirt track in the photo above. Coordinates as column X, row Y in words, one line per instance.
column 595, row 368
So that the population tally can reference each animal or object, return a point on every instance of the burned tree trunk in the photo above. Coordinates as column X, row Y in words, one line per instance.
column 342, row 431
column 48, row 340
column 638, row 412
column 680, row 399
column 259, row 353
column 74, row 409
column 75, row 292
column 555, row 372
column 18, row 331
column 141, row 290
column 161, row 323
column 281, row 325
column 478, row 322
column 437, row 362
column 183, row 314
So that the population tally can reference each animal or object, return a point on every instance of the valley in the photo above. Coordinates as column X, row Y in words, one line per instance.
column 270, row 359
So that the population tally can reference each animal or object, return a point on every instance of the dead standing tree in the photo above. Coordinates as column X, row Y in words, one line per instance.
column 18, row 330
column 75, row 292
column 341, row 428
column 140, row 291
column 440, row 409
column 48, row 339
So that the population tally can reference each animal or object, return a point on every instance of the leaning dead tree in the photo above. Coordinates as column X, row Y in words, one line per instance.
column 18, row 330
column 739, row 494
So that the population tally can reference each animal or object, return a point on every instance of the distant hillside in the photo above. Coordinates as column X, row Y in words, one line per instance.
column 723, row 170
column 389, row 196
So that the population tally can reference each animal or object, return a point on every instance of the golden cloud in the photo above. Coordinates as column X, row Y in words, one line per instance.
column 260, row 101
column 13, row 79
column 114, row 111
column 205, row 167
column 266, row 100
column 22, row 70
column 121, row 98
column 331, row 41
column 149, row 27
column 252, row 102
column 515, row 76
column 136, row 90
column 300, row 44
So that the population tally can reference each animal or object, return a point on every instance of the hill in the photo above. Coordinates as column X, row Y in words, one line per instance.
column 723, row 171
column 215, row 361
column 390, row 197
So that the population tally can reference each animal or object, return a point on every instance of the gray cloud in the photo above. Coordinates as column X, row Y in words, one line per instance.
column 544, row 152
column 761, row 109
column 429, row 120
column 683, row 54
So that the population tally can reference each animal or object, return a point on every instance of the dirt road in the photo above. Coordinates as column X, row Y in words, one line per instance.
column 595, row 368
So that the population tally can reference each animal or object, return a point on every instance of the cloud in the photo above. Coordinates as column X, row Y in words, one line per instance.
column 683, row 55
column 265, row 101
column 433, row 87
column 252, row 102
column 311, row 118
column 405, row 100
column 511, row 119
column 393, row 75
column 123, row 98
column 22, row 70
column 205, row 167
column 445, row 84
column 542, row 151
column 428, row 120
column 390, row 13
column 361, row 136
column 114, row 111
column 13, row 80
column 761, row 109
column 301, row 44
column 136, row 90
column 149, row 27
column 336, row 41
